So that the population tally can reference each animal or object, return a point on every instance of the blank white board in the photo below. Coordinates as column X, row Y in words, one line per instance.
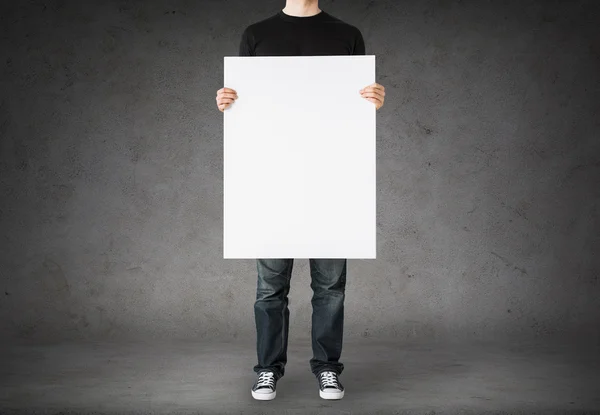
column 299, row 158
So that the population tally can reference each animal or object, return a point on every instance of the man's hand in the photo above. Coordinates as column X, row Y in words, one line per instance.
column 374, row 93
column 225, row 97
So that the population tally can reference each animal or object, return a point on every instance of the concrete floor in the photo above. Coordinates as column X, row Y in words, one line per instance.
column 381, row 377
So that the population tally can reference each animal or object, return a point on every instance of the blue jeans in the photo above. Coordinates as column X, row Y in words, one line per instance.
column 328, row 282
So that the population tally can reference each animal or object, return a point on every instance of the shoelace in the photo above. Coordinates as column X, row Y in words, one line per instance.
column 265, row 379
column 329, row 379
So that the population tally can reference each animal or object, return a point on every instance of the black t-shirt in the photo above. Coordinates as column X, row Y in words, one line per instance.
column 285, row 35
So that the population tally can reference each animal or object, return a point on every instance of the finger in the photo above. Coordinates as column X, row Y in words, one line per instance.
column 373, row 89
column 374, row 100
column 228, row 96
column 223, row 107
column 225, row 102
column 372, row 95
column 220, row 92
column 226, row 90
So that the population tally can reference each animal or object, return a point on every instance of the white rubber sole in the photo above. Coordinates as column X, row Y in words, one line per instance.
column 263, row 396
column 331, row 395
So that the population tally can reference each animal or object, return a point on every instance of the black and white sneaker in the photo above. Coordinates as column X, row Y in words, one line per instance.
column 264, row 387
column 329, row 385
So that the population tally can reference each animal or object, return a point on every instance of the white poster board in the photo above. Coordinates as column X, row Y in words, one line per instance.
column 299, row 158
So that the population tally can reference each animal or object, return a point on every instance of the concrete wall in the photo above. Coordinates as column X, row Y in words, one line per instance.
column 488, row 171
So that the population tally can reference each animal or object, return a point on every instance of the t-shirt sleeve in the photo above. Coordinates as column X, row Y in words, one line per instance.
column 359, row 44
column 246, row 44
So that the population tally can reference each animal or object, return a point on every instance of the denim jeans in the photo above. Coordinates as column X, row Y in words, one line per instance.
column 328, row 282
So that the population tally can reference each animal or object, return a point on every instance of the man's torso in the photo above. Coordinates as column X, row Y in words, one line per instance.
column 283, row 35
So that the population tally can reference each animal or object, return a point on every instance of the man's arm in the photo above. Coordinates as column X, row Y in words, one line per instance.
column 359, row 44
column 246, row 44
column 374, row 92
column 227, row 96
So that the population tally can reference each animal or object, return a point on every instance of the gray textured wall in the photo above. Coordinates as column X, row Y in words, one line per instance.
column 488, row 171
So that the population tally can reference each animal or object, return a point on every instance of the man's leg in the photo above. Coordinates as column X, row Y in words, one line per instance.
column 272, row 314
column 328, row 281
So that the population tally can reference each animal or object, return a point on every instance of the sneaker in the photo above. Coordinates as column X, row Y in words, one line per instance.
column 264, row 387
column 330, row 386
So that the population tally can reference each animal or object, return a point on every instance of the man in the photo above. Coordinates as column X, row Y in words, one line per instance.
column 301, row 28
